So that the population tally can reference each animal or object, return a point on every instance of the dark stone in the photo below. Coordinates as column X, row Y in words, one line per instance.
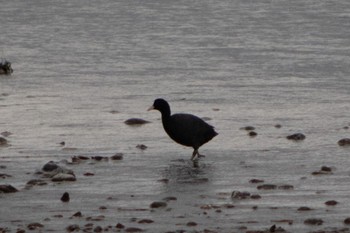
column 286, row 187
column 158, row 204
column 65, row 197
column 255, row 181
column 77, row 214
column 191, row 224
column 136, row 121
column 63, row 177
column 3, row 141
column 326, row 169
column 313, row 221
column 120, row 226
column 89, row 174
column 240, row 195
column 304, row 208
column 267, row 186
column 141, row 147
column 332, row 202
column 344, row 142
column 99, row 158
column 252, row 134
column 62, row 143
column 4, row 188
column 73, row 227
column 5, row 67
column 347, row 221
column 34, row 226
column 117, row 156
column 133, row 229
column 278, row 126
column 248, row 128
column 145, row 221
column 296, row 137
column 2, row 175
column 98, row 229
column 50, row 166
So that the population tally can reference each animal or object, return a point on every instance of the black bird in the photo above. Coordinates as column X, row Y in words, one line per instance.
column 183, row 128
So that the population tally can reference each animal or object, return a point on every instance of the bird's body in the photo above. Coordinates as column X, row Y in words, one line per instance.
column 185, row 129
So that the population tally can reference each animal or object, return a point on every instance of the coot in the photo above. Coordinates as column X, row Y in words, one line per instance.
column 183, row 128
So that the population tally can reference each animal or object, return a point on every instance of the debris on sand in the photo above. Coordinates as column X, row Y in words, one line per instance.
column 5, row 67
column 296, row 137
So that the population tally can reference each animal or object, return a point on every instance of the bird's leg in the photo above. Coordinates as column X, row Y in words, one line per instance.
column 195, row 152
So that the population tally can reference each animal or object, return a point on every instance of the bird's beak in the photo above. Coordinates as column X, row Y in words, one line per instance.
column 150, row 108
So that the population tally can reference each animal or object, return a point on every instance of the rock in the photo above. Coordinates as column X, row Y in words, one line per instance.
column 117, row 156
column 267, row 186
column 4, row 188
column 240, row 195
column 99, row 158
column 72, row 228
column 119, row 226
column 344, row 142
column 252, row 134
column 77, row 214
column 89, row 174
column 296, row 137
column 141, row 147
column 50, row 166
column 326, row 169
column 278, row 126
column 255, row 181
column 63, row 177
column 158, row 204
column 4, row 176
column 191, row 224
column 5, row 67
column 304, row 208
column 65, row 197
column 147, row 221
column 286, row 187
column 332, row 202
column 3, row 141
column 133, row 229
column 34, row 226
column 98, row 229
column 313, row 221
column 248, row 128
column 323, row 171
column 136, row 121
column 347, row 221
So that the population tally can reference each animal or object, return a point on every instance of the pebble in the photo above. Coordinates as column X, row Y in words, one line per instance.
column 347, row 221
column 141, row 147
column 98, row 229
column 255, row 181
column 169, row 198
column 120, row 226
column 5, row 188
column 267, row 186
column 65, row 197
column 117, row 156
column 3, row 141
column 136, row 121
column 77, row 214
column 253, row 134
column 332, row 202
column 191, row 224
column 89, row 174
column 313, row 221
column 72, row 228
column 296, row 137
column 248, row 128
column 133, row 229
column 145, row 221
column 304, row 208
column 50, row 166
column 240, row 195
column 158, row 204
column 344, row 142
column 34, row 226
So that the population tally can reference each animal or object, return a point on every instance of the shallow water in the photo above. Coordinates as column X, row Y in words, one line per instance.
column 81, row 69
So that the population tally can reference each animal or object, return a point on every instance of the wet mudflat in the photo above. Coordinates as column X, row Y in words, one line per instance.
column 272, row 77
